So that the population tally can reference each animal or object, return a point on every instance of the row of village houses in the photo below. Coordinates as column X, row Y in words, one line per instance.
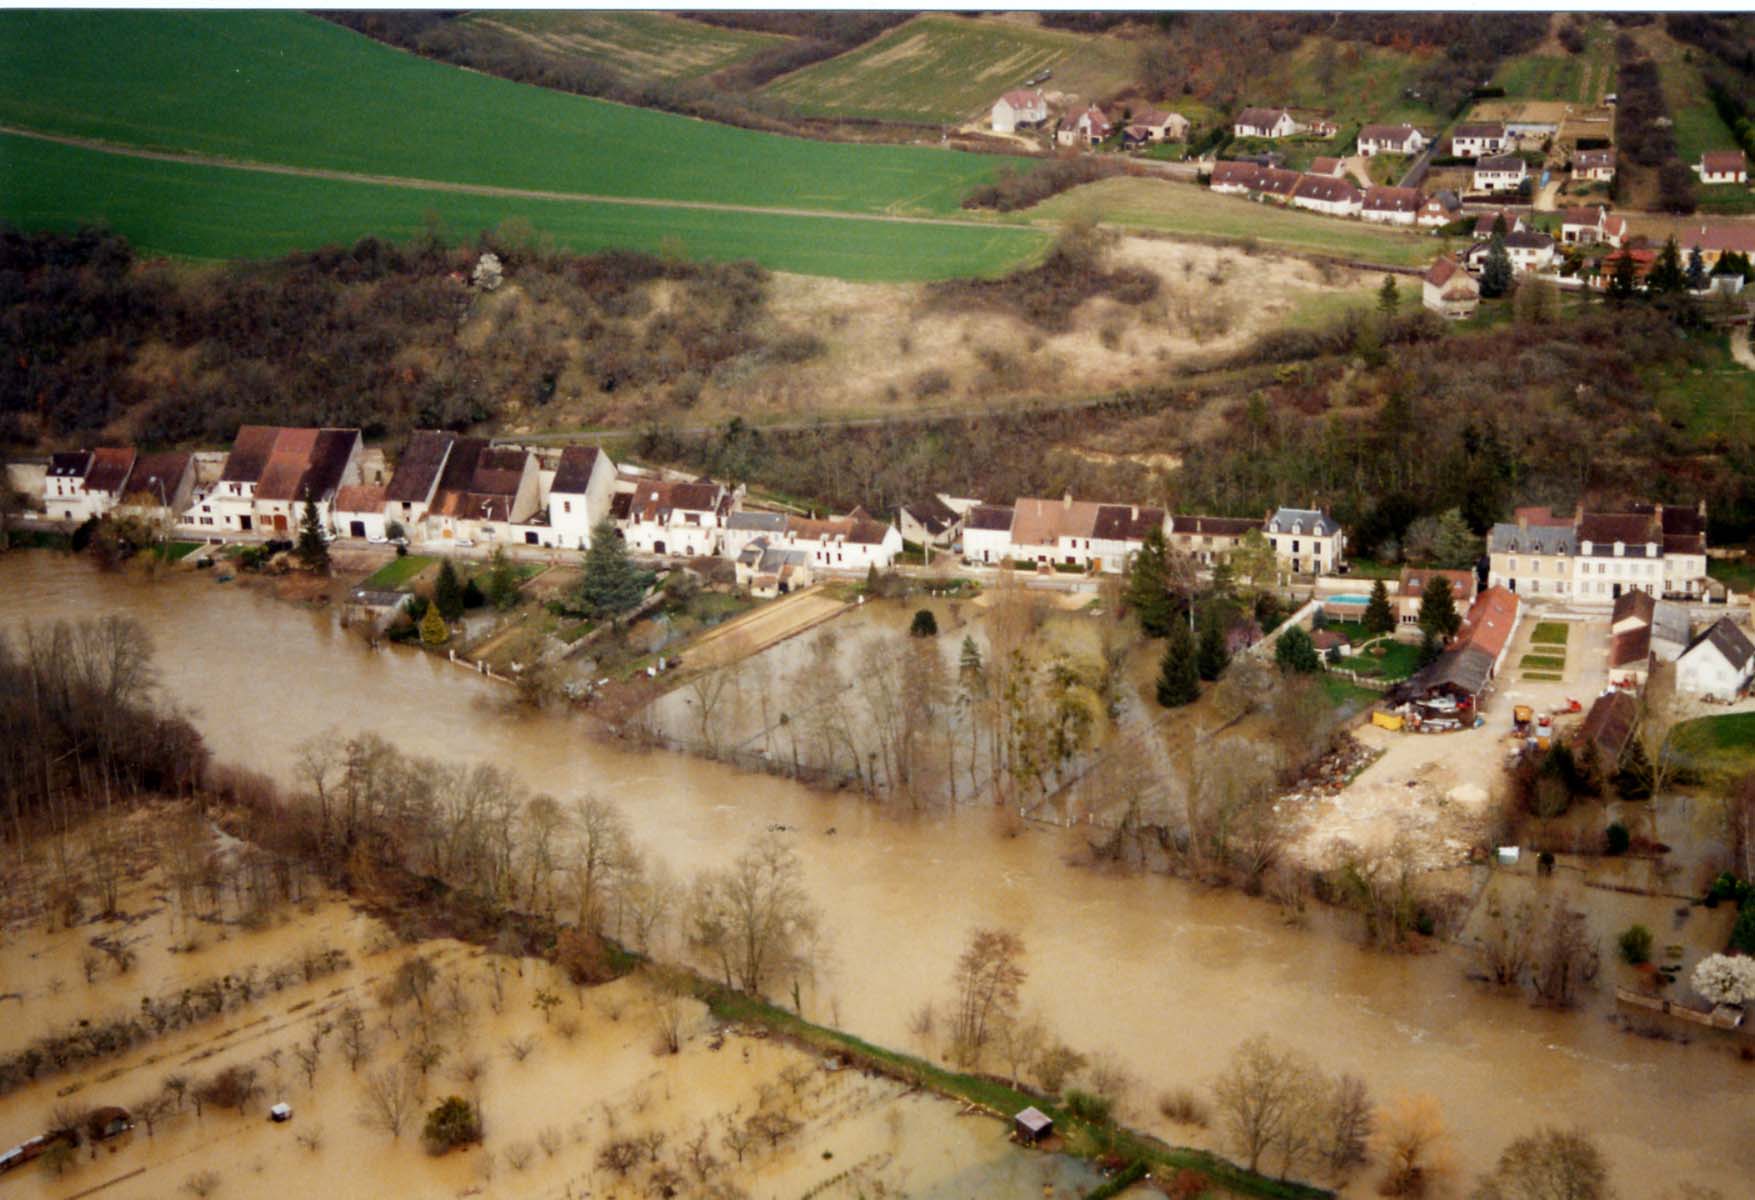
column 449, row 488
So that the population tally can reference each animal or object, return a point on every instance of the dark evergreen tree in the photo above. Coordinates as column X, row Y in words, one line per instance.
column 1178, row 675
column 1696, row 273
column 1666, row 277
column 312, row 550
column 925, row 624
column 1211, row 657
column 1379, row 617
column 448, row 592
column 1388, row 297
column 1623, row 278
column 1148, row 591
column 612, row 585
column 1496, row 272
column 1296, row 652
column 1438, row 614
column 1430, row 647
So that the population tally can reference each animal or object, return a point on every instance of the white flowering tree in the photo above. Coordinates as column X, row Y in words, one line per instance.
column 1725, row 979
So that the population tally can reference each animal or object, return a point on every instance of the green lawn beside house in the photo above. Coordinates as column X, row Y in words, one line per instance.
column 1718, row 747
column 1550, row 633
column 398, row 574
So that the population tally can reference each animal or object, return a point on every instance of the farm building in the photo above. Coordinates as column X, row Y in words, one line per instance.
column 1019, row 109
column 359, row 511
column 1032, row 1125
column 160, row 486
column 1718, row 663
column 1607, row 729
column 1451, row 685
column 1325, row 194
column 579, row 497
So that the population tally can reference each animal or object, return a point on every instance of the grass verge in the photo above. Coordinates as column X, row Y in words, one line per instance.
column 1722, row 747
column 1001, row 1099
column 1543, row 662
column 1543, row 676
column 175, row 551
column 398, row 573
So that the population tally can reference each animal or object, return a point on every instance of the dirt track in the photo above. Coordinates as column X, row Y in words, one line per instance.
column 766, row 626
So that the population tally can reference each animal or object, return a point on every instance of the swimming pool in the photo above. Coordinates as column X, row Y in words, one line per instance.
column 1347, row 598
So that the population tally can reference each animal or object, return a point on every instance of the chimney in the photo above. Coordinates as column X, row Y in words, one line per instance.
column 1136, row 512
column 1658, row 515
column 1066, row 500
column 1523, row 520
column 1578, row 513
column 1703, row 509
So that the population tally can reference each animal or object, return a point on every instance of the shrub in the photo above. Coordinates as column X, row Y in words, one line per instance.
column 1616, row 839
column 1089, row 1107
column 1743, row 932
column 924, row 625
column 453, row 1122
column 1635, row 943
column 1183, row 1107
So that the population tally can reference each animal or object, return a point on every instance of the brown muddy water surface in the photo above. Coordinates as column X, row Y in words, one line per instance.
column 1168, row 976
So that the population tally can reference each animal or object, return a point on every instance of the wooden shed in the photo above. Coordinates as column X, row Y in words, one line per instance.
column 1032, row 1125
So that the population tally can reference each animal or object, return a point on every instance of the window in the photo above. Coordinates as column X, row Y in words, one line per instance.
column 1511, row 566
column 566, row 506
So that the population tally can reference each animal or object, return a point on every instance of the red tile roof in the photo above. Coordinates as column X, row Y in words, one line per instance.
column 1488, row 625
column 360, row 498
column 1721, row 162
column 1393, row 199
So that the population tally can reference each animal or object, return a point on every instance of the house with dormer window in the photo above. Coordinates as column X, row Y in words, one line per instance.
column 1307, row 541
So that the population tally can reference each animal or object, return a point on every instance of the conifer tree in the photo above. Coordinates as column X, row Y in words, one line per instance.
column 1430, row 647
column 1666, row 277
column 502, row 580
column 1379, row 617
column 1496, row 272
column 1438, row 615
column 1211, row 657
column 1388, row 297
column 1296, row 652
column 1148, row 591
column 1696, row 273
column 1622, row 279
column 448, row 592
column 1178, row 675
column 611, row 585
column 312, row 550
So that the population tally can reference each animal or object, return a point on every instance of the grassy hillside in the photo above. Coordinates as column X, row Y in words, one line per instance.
column 1156, row 205
column 211, row 212
column 1356, row 83
column 1574, row 78
column 288, row 88
column 643, row 45
column 947, row 68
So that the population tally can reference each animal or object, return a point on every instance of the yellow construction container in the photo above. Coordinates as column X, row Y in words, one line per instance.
column 1388, row 721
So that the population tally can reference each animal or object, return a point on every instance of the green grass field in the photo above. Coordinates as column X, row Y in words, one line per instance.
column 1698, row 126
column 398, row 573
column 1737, row 573
column 287, row 88
column 1575, row 78
column 1543, row 662
column 1719, row 746
column 1367, row 84
column 1550, row 633
column 1175, row 208
column 945, row 68
column 641, row 45
column 1712, row 402
column 178, row 209
column 1399, row 661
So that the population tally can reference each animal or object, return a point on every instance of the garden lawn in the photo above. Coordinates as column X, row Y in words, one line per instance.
column 1738, row 573
column 1189, row 210
column 204, row 212
column 176, row 551
column 1722, row 746
column 641, row 45
column 1399, row 661
column 398, row 574
column 284, row 87
column 1550, row 633
column 1543, row 662
column 945, row 68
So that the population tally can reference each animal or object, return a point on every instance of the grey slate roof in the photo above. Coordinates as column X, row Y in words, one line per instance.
column 765, row 522
column 1507, row 538
column 1308, row 520
column 1731, row 642
column 997, row 517
column 573, row 475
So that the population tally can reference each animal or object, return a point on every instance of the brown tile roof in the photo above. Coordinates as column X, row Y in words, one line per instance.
column 1042, row 522
column 856, row 528
column 1502, row 162
column 1489, row 622
column 1126, row 522
column 69, row 464
column 1441, row 271
column 1386, row 133
column 1719, row 162
column 1277, row 181
column 360, row 498
column 993, row 517
column 1630, row 647
column 1485, row 222
column 932, row 513
column 1393, row 199
column 1462, row 583
column 110, row 466
column 1605, row 529
column 472, row 506
column 1260, row 118
column 1591, row 159
column 573, row 476
column 1324, row 165
column 1236, row 174
column 1638, row 605
column 249, row 454
column 1479, row 129
column 422, row 461
column 1022, row 98
column 306, row 464
column 621, row 506
column 1722, row 236
column 655, row 499
column 1608, row 727
column 1325, row 188
column 1592, row 217
column 159, row 474
column 1214, row 526
column 1540, row 515
column 480, row 482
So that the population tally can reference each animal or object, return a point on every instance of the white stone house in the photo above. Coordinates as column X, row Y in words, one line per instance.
column 270, row 475
column 1088, row 128
column 1439, row 209
column 1390, row 139
column 1717, row 663
column 1207, row 540
column 987, row 534
column 1597, row 166
column 667, row 517
column 1527, row 252
column 1306, row 541
column 359, row 511
column 159, row 487
column 930, row 522
column 1450, row 291
column 1473, row 140
column 855, row 542
column 1019, row 109
column 1501, row 173
column 1326, row 194
column 1391, row 205
column 1264, row 123
column 1723, row 166
column 1235, row 178
column 580, row 496
column 748, row 525
column 86, row 483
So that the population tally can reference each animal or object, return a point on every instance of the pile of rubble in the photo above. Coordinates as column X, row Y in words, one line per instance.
column 1331, row 773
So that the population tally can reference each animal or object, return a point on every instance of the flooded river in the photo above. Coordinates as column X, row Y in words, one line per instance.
column 1168, row 976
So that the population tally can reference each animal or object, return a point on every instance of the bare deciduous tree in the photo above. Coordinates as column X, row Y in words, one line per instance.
column 1566, row 957
column 1411, row 1140
column 1262, row 1099
column 755, row 918
column 389, row 1096
column 1549, row 1164
column 989, row 973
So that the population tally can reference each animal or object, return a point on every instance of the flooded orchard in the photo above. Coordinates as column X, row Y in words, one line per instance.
column 1168, row 976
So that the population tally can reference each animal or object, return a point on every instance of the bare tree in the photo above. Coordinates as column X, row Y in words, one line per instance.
column 1259, row 1096
column 1057, row 1065
column 1550, row 1164
column 1508, row 942
column 154, row 1108
column 601, row 854
column 389, row 1096
column 202, row 1184
column 670, row 989
column 1021, row 1038
column 309, row 1056
column 519, row 1048
column 1349, row 1122
column 1566, row 957
column 989, row 973
column 755, row 917
column 356, row 1039
column 1411, row 1140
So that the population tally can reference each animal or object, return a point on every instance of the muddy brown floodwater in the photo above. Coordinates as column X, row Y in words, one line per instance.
column 1169, row 976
